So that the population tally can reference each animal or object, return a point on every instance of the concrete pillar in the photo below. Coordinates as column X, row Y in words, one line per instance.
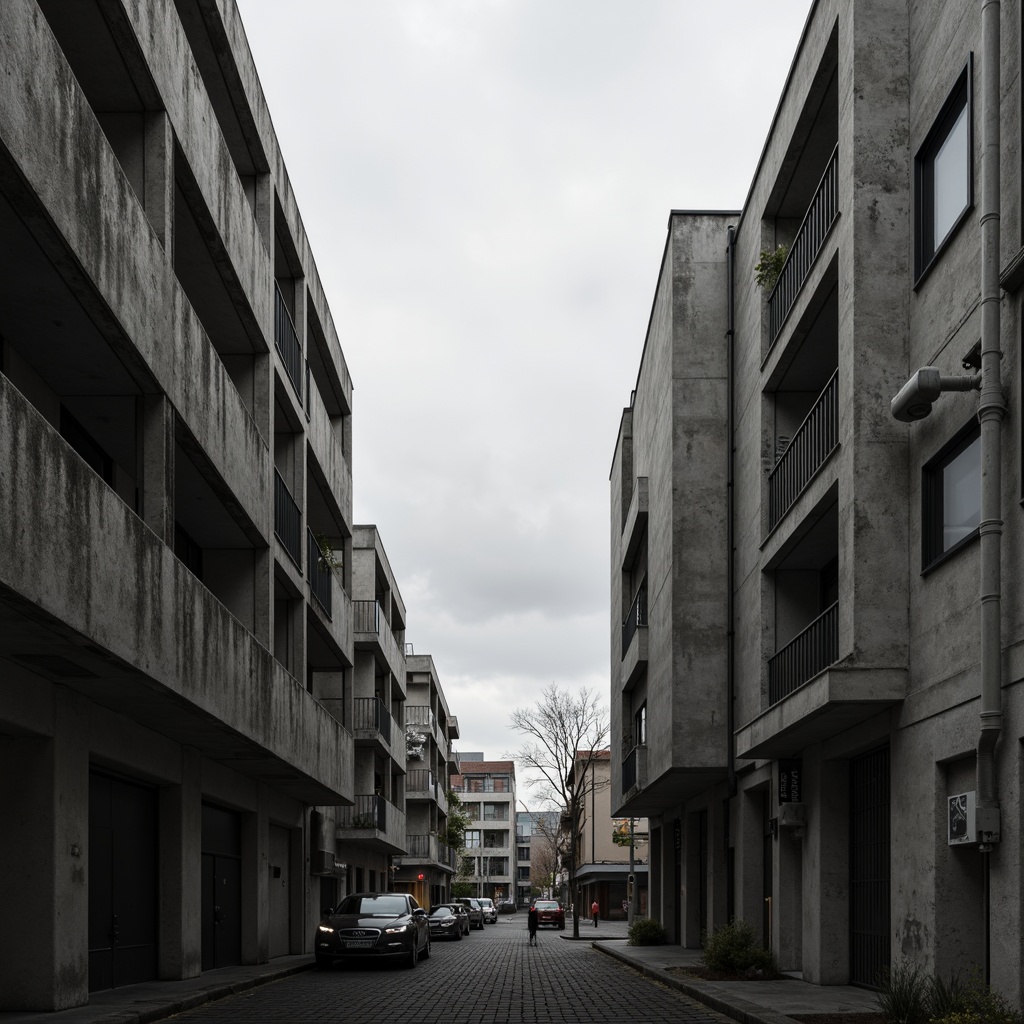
column 787, row 903
column 718, row 859
column 749, row 857
column 826, row 870
column 157, row 465
column 692, row 881
column 654, row 869
column 44, row 862
column 300, row 921
column 181, row 827
column 255, row 902
column 158, row 187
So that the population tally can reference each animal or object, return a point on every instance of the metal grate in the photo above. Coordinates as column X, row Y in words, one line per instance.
column 869, row 868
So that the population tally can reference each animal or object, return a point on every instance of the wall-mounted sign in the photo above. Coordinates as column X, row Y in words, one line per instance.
column 960, row 819
column 791, row 781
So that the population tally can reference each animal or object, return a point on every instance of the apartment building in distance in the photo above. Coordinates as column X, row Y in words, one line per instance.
column 817, row 629
column 537, row 864
column 487, row 790
column 428, row 865
column 176, row 633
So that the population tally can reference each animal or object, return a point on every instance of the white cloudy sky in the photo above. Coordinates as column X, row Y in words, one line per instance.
column 486, row 186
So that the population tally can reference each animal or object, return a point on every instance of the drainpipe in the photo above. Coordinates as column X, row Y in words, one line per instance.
column 991, row 410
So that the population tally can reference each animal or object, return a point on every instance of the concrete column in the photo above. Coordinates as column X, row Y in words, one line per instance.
column 255, row 895
column 158, row 177
column 265, row 209
column 300, row 921
column 718, row 858
column 691, row 881
column 44, row 862
column 157, row 469
column 181, row 826
column 787, row 910
column 749, row 858
column 826, row 874
column 654, row 869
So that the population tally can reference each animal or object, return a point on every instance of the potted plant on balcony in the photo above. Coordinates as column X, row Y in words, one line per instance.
column 769, row 266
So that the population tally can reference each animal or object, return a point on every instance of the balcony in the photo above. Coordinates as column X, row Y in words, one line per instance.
column 419, row 784
column 810, row 238
column 287, row 520
column 637, row 616
column 371, row 717
column 286, row 341
column 373, row 820
column 430, row 849
column 319, row 574
column 815, row 439
column 805, row 656
column 634, row 768
column 420, row 715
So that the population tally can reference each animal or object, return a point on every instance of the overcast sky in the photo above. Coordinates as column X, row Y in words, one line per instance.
column 486, row 186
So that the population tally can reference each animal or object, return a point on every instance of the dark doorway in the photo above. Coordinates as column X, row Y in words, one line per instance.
column 222, row 888
column 768, row 827
column 869, row 867
column 122, row 882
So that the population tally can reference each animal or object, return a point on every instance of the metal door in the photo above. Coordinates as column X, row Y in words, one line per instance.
column 222, row 888
column 869, row 867
column 122, row 882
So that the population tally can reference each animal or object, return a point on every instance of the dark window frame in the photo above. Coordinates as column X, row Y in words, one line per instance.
column 927, row 249
column 640, row 726
column 932, row 552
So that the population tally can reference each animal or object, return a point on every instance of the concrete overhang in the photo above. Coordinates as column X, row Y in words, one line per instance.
column 634, row 663
column 636, row 522
column 671, row 788
column 828, row 704
column 608, row 872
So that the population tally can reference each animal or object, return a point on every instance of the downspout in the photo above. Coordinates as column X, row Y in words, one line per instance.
column 991, row 410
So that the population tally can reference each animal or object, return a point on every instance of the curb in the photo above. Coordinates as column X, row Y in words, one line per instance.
column 738, row 1009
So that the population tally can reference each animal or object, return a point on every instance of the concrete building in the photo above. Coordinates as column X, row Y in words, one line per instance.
column 602, row 861
column 537, row 866
column 488, row 793
column 809, row 700
column 428, row 864
column 176, row 633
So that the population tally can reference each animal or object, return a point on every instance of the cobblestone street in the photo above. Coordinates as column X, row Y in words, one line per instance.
column 490, row 977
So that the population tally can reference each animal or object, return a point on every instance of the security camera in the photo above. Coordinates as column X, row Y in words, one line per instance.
column 916, row 397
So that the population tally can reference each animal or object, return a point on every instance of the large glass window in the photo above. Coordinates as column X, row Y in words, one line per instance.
column 943, row 174
column 952, row 496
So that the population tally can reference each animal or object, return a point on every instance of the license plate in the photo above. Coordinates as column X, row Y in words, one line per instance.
column 358, row 943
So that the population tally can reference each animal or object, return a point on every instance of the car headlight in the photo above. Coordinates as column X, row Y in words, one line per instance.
column 397, row 930
column 326, row 928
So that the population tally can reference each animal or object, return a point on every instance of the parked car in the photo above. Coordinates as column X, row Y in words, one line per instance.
column 550, row 912
column 506, row 907
column 489, row 909
column 371, row 925
column 476, row 912
column 448, row 921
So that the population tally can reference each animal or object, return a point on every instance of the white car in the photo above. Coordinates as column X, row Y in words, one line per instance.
column 490, row 910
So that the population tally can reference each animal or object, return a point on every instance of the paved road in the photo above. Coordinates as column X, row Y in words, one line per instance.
column 489, row 977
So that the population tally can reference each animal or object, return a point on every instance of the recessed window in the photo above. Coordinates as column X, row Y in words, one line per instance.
column 640, row 726
column 952, row 496
column 943, row 175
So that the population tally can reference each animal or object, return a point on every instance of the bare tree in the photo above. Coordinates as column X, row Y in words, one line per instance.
column 565, row 730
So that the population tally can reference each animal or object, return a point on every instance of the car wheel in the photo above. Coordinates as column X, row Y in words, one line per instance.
column 413, row 955
column 323, row 962
column 425, row 952
column 458, row 934
column 561, row 927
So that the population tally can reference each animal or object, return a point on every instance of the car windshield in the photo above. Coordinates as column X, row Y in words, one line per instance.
column 383, row 906
column 546, row 905
column 442, row 911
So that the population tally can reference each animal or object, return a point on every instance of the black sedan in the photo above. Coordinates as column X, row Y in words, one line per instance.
column 372, row 925
column 448, row 921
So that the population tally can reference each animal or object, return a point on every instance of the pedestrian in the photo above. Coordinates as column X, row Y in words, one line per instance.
column 595, row 910
column 531, row 923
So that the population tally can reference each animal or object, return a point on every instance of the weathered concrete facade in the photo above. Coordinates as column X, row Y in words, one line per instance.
column 845, row 644
column 176, row 634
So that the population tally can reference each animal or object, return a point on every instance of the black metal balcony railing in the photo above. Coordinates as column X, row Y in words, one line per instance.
column 629, row 771
column 319, row 573
column 421, row 715
column 420, row 845
column 287, row 520
column 812, row 444
column 420, row 780
column 820, row 216
column 286, row 340
column 369, row 811
column 366, row 616
column 637, row 617
column 807, row 654
column 371, row 713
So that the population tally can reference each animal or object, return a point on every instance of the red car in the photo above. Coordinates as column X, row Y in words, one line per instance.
column 550, row 912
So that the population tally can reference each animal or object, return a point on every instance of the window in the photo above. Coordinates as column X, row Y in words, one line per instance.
column 640, row 726
column 951, row 496
column 522, row 853
column 472, row 838
column 943, row 174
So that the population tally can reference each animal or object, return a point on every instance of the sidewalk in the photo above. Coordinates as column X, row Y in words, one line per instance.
column 750, row 1002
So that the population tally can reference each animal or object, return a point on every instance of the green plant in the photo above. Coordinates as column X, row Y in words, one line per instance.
column 904, row 994
column 736, row 949
column 645, row 932
column 328, row 556
column 769, row 266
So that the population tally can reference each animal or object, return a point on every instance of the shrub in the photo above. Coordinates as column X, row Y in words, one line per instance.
column 735, row 949
column 903, row 995
column 769, row 266
column 645, row 932
column 907, row 996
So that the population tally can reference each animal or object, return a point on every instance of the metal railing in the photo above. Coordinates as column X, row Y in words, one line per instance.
column 807, row 654
column 286, row 340
column 319, row 573
column 629, row 771
column 287, row 520
column 371, row 713
column 637, row 616
column 366, row 616
column 420, row 714
column 818, row 219
column 420, row 780
column 369, row 811
column 812, row 444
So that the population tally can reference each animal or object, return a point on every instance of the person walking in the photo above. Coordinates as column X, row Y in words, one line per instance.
column 531, row 924
column 595, row 910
